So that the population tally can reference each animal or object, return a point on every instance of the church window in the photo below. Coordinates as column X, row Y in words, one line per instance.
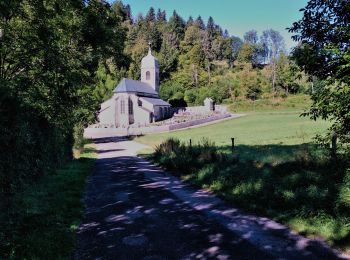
column 131, row 109
column 148, row 75
column 122, row 106
column 161, row 112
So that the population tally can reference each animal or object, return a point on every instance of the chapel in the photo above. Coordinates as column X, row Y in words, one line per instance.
column 136, row 102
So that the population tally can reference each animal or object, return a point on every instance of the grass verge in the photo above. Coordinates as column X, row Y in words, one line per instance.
column 297, row 185
column 42, row 220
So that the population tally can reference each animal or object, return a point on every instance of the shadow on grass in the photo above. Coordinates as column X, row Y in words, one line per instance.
column 40, row 222
column 295, row 184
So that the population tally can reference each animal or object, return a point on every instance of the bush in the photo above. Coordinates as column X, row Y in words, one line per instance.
column 30, row 146
column 174, row 155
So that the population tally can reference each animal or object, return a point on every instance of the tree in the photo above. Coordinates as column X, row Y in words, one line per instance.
column 324, row 32
column 251, row 37
column 210, row 27
column 199, row 22
column 49, row 55
column 287, row 74
column 192, row 57
column 161, row 15
column 236, row 45
column 150, row 17
column 272, row 45
column 176, row 25
column 226, row 34
column 245, row 53
column 189, row 21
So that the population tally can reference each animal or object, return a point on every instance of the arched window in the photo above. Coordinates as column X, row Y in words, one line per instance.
column 122, row 106
column 148, row 75
column 130, row 106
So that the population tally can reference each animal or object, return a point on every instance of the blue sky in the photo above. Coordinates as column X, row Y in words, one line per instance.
column 237, row 16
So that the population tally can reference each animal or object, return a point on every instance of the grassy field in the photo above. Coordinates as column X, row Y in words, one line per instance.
column 255, row 129
column 275, row 170
column 44, row 217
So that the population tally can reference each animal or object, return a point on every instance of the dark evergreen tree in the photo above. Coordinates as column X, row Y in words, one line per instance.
column 226, row 34
column 176, row 25
column 127, row 10
column 199, row 22
column 189, row 21
column 211, row 27
column 161, row 15
column 150, row 17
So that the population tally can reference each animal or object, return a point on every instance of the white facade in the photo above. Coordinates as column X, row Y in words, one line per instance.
column 136, row 102
column 150, row 71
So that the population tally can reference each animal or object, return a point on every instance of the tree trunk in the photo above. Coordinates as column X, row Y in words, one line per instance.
column 209, row 76
column 273, row 77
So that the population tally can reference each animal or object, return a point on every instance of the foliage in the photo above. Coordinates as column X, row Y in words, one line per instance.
column 178, row 156
column 41, row 221
column 324, row 32
column 49, row 55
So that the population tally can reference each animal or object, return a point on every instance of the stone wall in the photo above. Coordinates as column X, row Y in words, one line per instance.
column 101, row 132
column 200, row 109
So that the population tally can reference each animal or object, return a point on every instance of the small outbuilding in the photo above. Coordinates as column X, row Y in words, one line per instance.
column 209, row 104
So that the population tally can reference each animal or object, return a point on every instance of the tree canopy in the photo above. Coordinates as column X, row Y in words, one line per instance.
column 324, row 51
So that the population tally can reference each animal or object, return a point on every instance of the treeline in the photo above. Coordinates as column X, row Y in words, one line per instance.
column 49, row 54
column 199, row 59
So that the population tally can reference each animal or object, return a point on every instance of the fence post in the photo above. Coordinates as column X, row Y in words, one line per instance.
column 334, row 145
column 190, row 143
column 232, row 144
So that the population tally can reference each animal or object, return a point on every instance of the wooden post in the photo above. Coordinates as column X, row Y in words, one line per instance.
column 232, row 144
column 190, row 143
column 334, row 145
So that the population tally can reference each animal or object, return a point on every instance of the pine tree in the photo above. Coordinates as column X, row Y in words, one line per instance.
column 199, row 22
column 189, row 22
column 150, row 17
column 161, row 15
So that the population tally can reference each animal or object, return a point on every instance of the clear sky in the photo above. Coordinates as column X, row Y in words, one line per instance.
column 237, row 16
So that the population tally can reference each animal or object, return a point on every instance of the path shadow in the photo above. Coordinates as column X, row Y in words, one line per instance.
column 131, row 214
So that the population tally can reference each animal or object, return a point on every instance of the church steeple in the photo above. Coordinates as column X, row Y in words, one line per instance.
column 149, row 48
column 150, row 70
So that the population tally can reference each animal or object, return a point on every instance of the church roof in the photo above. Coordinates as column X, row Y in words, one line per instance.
column 134, row 86
column 155, row 101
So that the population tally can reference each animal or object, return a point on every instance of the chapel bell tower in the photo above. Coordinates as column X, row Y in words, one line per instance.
column 150, row 70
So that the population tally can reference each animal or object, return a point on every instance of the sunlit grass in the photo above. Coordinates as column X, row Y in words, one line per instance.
column 261, row 128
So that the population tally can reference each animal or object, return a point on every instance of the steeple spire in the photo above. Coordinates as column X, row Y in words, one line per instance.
column 149, row 48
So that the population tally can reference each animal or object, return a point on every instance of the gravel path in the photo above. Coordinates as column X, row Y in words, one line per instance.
column 135, row 210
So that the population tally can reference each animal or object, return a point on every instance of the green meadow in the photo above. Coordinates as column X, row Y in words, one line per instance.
column 254, row 128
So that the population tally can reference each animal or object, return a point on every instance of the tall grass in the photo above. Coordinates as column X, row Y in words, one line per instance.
column 308, row 191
